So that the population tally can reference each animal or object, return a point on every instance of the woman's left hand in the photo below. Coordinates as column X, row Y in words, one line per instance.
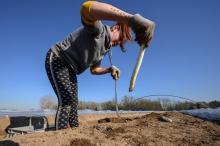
column 115, row 73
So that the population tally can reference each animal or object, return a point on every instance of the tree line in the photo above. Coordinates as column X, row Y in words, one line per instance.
column 129, row 103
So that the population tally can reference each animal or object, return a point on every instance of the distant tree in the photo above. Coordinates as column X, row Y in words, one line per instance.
column 88, row 105
column 145, row 104
column 128, row 103
column 185, row 105
column 166, row 104
column 109, row 105
column 48, row 102
column 214, row 104
column 202, row 105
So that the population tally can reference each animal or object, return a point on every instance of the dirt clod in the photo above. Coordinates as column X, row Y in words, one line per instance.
column 81, row 142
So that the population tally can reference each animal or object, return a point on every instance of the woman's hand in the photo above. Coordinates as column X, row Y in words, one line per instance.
column 143, row 29
column 115, row 73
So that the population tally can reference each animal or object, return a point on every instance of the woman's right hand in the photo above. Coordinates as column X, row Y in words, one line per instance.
column 143, row 29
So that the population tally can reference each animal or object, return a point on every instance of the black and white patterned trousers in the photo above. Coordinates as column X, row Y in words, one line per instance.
column 64, row 82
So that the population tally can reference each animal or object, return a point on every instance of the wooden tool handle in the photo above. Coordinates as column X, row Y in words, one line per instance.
column 137, row 67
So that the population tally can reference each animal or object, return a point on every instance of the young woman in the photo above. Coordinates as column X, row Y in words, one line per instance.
column 85, row 48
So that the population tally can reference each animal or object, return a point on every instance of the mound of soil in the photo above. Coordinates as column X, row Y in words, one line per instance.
column 143, row 130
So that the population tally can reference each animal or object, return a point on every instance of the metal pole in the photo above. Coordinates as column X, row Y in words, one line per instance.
column 116, row 95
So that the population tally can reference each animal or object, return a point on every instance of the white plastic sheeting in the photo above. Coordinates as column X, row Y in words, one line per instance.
column 209, row 114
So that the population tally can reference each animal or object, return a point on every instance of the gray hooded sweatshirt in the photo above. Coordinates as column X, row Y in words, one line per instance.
column 84, row 47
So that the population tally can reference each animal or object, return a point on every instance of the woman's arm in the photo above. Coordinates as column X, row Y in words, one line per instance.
column 143, row 28
column 97, row 70
column 104, row 11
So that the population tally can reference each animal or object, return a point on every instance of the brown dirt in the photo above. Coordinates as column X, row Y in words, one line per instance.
column 129, row 130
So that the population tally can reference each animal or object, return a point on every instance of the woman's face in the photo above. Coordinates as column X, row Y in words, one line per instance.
column 115, row 36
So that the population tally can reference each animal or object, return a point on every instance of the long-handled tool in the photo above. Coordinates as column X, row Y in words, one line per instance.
column 116, row 95
column 137, row 67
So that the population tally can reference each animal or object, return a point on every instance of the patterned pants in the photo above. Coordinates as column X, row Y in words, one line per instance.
column 64, row 82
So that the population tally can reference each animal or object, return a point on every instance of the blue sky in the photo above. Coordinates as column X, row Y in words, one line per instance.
column 183, row 58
